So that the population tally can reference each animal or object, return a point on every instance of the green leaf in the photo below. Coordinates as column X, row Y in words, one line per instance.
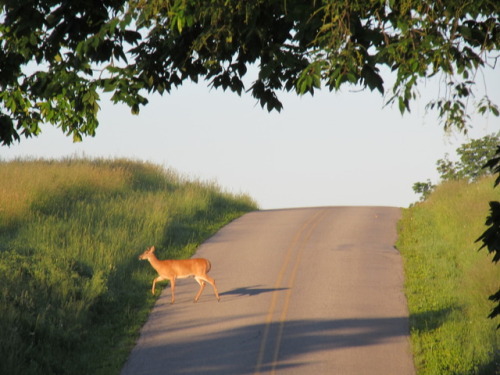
column 402, row 105
column 135, row 109
column 77, row 137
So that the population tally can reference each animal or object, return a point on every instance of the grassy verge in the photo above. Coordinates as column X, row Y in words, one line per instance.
column 448, row 281
column 72, row 293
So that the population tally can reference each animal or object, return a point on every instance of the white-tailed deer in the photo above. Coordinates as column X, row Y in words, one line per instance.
column 180, row 269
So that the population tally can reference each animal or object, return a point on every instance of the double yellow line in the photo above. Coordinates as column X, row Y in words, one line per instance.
column 297, row 246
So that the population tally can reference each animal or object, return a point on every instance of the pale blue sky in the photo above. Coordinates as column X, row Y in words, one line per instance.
column 331, row 149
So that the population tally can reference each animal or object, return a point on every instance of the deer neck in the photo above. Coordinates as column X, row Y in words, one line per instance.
column 154, row 261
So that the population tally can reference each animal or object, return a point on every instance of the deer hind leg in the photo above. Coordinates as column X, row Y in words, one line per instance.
column 202, row 286
column 211, row 281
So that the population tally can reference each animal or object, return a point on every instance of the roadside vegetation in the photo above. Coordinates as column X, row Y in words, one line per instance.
column 73, row 294
column 473, row 156
column 448, row 281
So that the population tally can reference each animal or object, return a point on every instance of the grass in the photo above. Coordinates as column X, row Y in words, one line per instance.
column 73, row 295
column 448, row 281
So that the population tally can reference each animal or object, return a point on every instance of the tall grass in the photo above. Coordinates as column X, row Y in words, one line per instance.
column 448, row 281
column 72, row 293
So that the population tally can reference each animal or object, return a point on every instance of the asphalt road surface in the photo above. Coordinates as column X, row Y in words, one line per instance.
column 303, row 291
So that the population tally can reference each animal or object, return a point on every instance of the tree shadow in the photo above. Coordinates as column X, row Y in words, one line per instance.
column 235, row 351
column 431, row 320
column 427, row 321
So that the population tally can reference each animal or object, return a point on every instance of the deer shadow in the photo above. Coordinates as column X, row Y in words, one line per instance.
column 250, row 291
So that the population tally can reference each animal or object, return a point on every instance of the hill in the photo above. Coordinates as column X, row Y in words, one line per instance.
column 448, row 281
column 73, row 294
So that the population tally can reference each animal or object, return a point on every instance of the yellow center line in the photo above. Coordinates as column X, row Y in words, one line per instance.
column 284, row 312
column 277, row 285
column 312, row 222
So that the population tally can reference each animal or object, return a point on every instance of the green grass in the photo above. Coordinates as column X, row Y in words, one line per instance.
column 448, row 281
column 73, row 294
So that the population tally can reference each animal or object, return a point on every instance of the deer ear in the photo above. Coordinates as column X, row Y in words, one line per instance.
column 152, row 249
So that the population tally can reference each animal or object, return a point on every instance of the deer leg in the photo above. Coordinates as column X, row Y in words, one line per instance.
column 172, row 287
column 159, row 278
column 211, row 281
column 202, row 286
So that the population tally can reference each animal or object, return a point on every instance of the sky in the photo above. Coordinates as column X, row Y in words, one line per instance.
column 332, row 149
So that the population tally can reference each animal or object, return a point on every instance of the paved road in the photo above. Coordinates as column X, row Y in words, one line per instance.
column 303, row 291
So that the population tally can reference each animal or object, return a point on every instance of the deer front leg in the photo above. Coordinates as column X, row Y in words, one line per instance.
column 172, row 287
column 159, row 278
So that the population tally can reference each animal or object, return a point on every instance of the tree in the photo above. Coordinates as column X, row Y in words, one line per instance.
column 473, row 156
column 423, row 188
column 57, row 56
column 491, row 236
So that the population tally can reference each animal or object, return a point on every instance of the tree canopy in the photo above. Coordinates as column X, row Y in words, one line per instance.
column 473, row 157
column 58, row 56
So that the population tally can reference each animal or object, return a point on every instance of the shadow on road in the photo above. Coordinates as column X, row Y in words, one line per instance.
column 250, row 291
column 234, row 352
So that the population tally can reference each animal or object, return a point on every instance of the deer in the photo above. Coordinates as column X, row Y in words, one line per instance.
column 179, row 269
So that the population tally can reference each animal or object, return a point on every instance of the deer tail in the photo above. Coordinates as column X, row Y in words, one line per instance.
column 209, row 266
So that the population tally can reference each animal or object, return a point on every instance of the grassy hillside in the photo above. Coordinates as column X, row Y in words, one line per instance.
column 448, row 280
column 72, row 291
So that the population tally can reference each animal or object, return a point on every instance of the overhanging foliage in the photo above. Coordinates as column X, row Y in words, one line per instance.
column 57, row 56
